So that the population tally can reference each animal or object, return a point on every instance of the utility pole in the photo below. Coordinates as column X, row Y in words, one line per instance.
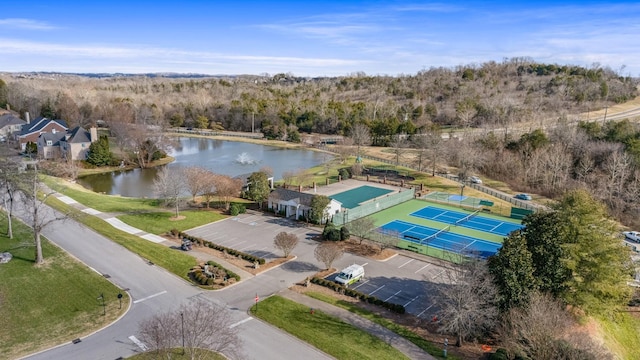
column 182, row 319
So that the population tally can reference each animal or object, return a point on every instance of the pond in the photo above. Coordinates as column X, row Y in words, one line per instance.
column 231, row 158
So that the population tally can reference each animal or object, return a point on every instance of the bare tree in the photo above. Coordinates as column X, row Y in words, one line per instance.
column 362, row 228
column 227, row 188
column 37, row 218
column 197, row 325
column 546, row 330
column 193, row 178
column 169, row 185
column 361, row 136
column 286, row 242
column 209, row 187
column 327, row 253
column 288, row 177
column 11, row 182
column 386, row 239
column 466, row 300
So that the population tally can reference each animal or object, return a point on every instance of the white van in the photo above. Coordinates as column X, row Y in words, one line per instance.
column 350, row 275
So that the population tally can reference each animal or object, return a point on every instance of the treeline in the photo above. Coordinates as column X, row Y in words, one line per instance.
column 486, row 95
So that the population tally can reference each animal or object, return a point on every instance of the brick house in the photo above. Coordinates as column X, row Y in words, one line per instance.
column 31, row 131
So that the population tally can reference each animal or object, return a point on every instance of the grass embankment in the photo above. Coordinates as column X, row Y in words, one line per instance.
column 621, row 334
column 163, row 222
column 57, row 299
column 173, row 260
column 422, row 343
column 327, row 333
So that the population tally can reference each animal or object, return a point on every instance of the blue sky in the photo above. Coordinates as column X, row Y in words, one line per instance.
column 307, row 38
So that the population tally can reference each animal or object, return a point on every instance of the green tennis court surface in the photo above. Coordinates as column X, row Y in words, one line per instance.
column 351, row 198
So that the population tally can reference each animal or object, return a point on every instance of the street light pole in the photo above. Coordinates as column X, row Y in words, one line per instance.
column 182, row 320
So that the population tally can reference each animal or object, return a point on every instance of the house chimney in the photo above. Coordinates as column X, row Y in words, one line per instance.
column 26, row 117
column 94, row 134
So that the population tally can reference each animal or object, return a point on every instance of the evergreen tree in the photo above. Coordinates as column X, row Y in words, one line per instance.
column 318, row 208
column 258, row 187
column 543, row 233
column 99, row 153
column 512, row 270
column 598, row 260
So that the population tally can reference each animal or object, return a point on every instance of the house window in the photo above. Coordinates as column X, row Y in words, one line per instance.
column 83, row 145
column 49, row 143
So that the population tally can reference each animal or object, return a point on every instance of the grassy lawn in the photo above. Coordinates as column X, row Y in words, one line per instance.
column 435, row 350
column 327, row 333
column 621, row 334
column 52, row 303
column 161, row 222
column 173, row 260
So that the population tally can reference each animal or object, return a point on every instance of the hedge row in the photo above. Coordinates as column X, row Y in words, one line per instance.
column 397, row 308
column 230, row 274
column 233, row 252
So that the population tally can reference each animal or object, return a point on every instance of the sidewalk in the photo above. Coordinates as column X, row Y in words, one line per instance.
column 403, row 345
column 391, row 338
column 116, row 223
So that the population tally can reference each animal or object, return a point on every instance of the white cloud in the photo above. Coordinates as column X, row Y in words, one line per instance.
column 27, row 24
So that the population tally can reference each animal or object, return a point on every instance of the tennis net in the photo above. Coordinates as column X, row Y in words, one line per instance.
column 468, row 217
column 443, row 230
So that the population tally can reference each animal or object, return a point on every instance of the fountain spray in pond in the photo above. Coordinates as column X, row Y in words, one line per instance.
column 246, row 159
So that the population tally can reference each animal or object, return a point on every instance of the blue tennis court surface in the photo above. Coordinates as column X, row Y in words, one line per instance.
column 445, row 240
column 352, row 198
column 476, row 222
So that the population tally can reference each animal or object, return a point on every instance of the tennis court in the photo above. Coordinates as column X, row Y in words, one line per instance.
column 468, row 220
column 352, row 198
column 440, row 238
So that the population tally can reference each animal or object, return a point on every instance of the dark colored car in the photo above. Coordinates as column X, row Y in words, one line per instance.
column 523, row 196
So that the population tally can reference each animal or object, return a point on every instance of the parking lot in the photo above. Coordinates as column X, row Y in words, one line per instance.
column 405, row 280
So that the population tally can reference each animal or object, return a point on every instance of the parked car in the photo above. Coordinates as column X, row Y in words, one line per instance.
column 475, row 180
column 523, row 196
column 632, row 235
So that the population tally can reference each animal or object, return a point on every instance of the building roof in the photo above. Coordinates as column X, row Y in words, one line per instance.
column 78, row 135
column 10, row 119
column 286, row 195
column 54, row 138
column 39, row 124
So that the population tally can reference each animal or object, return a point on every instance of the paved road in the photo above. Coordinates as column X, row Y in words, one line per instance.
column 154, row 290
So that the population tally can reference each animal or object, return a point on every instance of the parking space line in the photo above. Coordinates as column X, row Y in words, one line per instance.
column 399, row 291
column 362, row 283
column 412, row 300
column 423, row 311
column 417, row 271
column 371, row 293
column 247, row 219
column 246, row 247
column 365, row 264
column 405, row 263
column 235, row 245
column 438, row 274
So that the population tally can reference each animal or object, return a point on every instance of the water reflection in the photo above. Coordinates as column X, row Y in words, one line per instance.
column 223, row 157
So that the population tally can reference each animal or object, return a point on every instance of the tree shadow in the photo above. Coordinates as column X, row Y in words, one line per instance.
column 300, row 266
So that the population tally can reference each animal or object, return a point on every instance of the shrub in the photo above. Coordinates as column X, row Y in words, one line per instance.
column 344, row 173
column 344, row 233
column 175, row 232
column 236, row 209
column 500, row 354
